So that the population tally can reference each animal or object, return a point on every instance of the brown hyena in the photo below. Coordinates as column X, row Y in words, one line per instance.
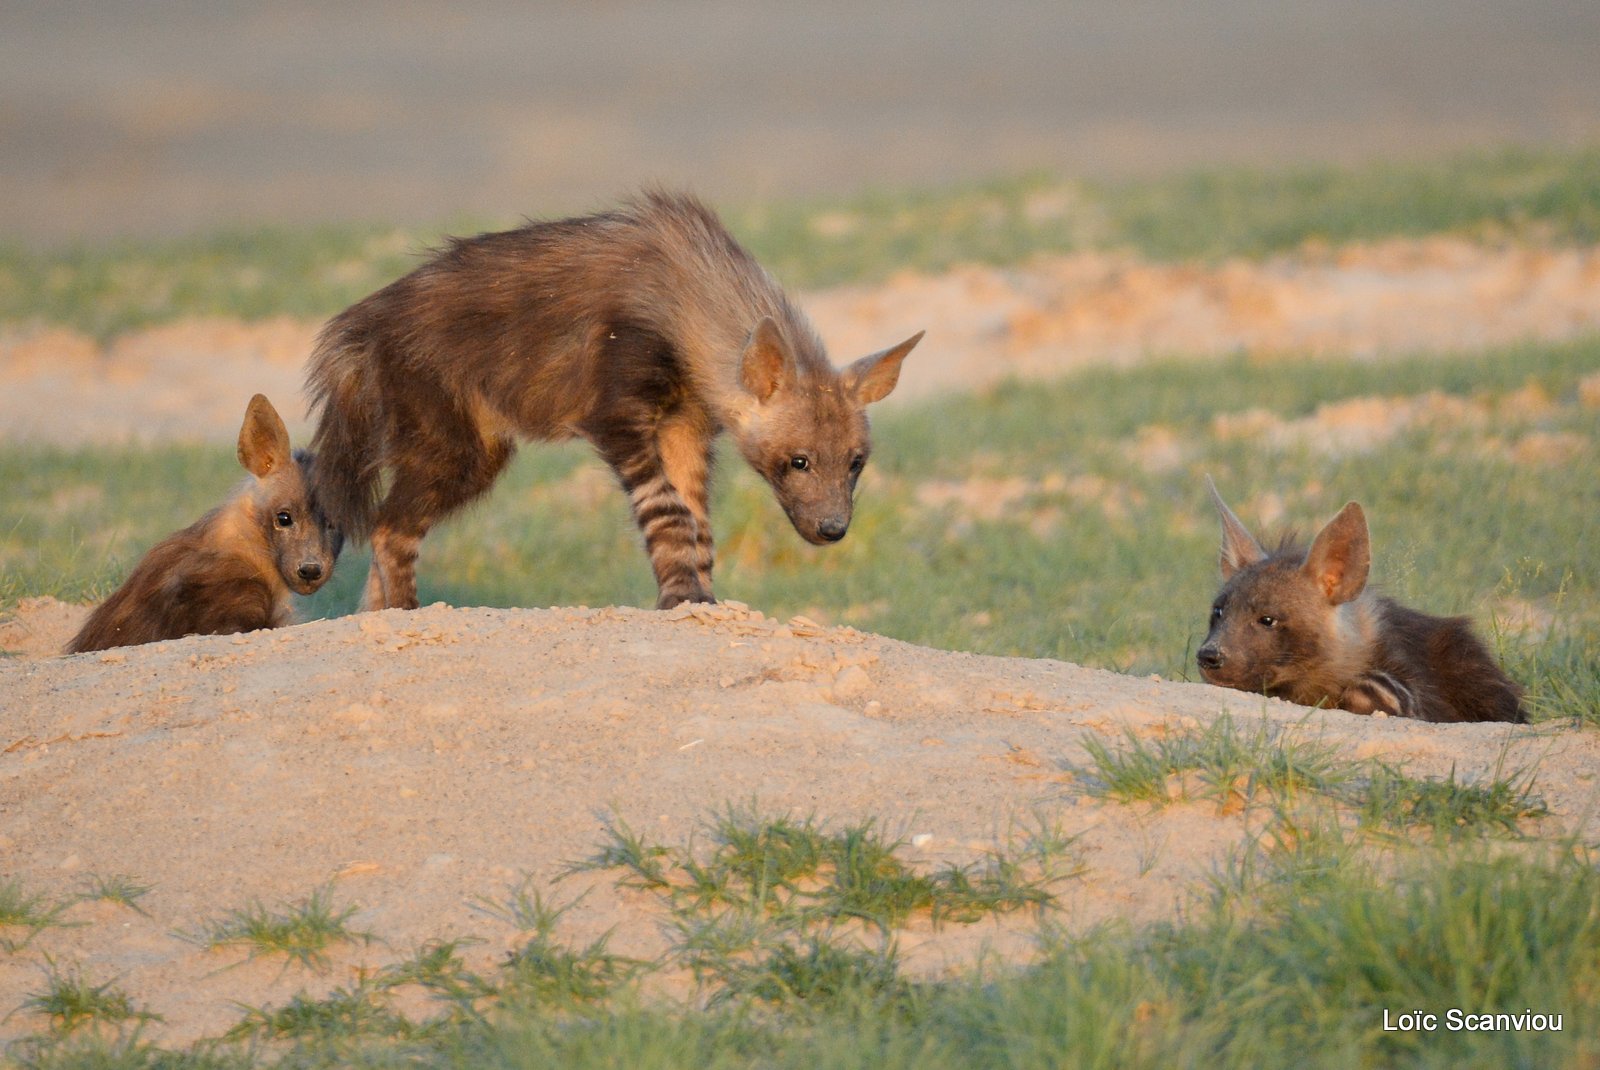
column 1300, row 624
column 647, row 331
column 233, row 569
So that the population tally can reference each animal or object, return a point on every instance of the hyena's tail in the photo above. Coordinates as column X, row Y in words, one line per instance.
column 349, row 440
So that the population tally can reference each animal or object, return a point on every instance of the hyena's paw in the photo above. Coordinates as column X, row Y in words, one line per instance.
column 669, row 599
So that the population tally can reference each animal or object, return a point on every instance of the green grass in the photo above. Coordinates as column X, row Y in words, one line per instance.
column 799, row 872
column 438, row 969
column 1229, row 764
column 23, row 914
column 1299, row 970
column 342, row 1013
column 1225, row 761
column 93, row 1051
column 1446, row 807
column 302, row 932
column 70, row 1000
column 115, row 888
column 1546, row 195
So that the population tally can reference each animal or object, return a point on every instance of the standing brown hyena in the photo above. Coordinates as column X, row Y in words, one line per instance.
column 646, row 330
column 231, row 570
column 1300, row 624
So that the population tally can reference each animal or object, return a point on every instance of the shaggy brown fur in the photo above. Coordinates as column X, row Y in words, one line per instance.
column 646, row 330
column 231, row 570
column 1300, row 624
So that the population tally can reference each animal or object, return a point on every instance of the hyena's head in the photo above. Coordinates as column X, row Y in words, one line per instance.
column 805, row 429
column 303, row 543
column 1284, row 622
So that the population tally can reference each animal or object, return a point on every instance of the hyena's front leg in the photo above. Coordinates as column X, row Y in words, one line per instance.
column 671, row 533
column 1376, row 691
column 685, row 445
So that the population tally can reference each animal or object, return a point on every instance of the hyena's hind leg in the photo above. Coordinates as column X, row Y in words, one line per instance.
column 441, row 462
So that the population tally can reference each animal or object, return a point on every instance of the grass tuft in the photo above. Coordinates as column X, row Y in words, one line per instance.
column 1447, row 808
column 302, row 932
column 342, row 1014
column 87, row 1050
column 30, row 911
column 1221, row 761
column 815, row 972
column 626, row 849
column 545, row 973
column 71, row 1000
column 438, row 968
column 123, row 890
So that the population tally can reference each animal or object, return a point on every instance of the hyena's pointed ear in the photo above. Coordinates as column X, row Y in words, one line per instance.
column 766, row 364
column 1239, row 548
column 263, row 440
column 1341, row 556
column 872, row 378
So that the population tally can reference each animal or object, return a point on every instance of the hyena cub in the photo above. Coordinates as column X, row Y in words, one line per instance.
column 231, row 570
column 647, row 331
column 1300, row 624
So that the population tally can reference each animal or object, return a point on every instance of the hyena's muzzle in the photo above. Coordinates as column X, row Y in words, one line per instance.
column 820, row 518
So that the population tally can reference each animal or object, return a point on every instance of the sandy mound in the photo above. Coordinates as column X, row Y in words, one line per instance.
column 422, row 760
column 190, row 380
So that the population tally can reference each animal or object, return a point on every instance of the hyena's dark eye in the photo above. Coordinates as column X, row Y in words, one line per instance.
column 1269, row 622
column 800, row 462
column 1216, row 612
column 857, row 463
column 284, row 519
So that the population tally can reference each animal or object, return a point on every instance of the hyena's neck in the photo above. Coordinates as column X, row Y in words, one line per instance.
column 1347, row 652
column 707, row 313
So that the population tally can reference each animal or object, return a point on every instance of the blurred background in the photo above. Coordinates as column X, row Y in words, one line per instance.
column 142, row 119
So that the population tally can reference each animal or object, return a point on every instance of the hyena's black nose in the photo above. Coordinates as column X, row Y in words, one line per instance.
column 833, row 530
column 309, row 571
column 1209, row 657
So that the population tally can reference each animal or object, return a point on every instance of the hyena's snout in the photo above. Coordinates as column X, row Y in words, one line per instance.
column 309, row 574
column 819, row 522
column 307, row 567
column 1210, row 658
column 820, row 530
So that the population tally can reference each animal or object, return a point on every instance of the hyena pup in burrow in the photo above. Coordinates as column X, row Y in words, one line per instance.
column 646, row 330
column 1300, row 624
column 233, row 569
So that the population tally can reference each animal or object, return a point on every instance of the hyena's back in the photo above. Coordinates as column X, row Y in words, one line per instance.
column 508, row 335
column 1452, row 674
column 182, row 587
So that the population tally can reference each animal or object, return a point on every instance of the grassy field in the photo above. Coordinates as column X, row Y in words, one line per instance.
column 1065, row 520
column 1544, row 196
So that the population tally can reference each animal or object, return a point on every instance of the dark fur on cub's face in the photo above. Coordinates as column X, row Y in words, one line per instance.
column 1266, row 627
column 305, row 544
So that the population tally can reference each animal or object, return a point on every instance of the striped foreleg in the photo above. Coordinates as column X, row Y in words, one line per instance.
column 671, row 534
column 686, row 454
